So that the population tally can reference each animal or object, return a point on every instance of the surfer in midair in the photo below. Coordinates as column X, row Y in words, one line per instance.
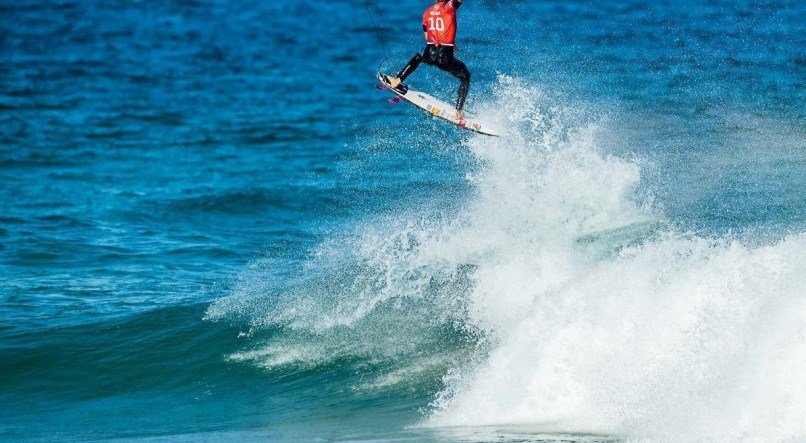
column 439, row 26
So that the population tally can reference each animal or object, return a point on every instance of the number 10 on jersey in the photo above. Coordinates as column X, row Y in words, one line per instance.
column 436, row 24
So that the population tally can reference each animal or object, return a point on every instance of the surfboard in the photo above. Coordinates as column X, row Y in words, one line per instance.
column 437, row 108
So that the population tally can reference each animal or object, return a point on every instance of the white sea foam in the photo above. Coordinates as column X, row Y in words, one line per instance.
column 673, row 338
column 592, row 313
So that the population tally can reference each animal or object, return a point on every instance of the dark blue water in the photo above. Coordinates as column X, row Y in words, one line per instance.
column 213, row 226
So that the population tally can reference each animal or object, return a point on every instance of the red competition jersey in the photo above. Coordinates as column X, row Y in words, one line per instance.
column 439, row 23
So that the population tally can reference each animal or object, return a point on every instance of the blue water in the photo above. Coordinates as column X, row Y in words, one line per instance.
column 212, row 226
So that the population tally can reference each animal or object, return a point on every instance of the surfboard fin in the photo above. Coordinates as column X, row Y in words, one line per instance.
column 395, row 100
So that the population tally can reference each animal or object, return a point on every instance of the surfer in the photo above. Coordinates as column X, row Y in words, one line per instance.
column 439, row 26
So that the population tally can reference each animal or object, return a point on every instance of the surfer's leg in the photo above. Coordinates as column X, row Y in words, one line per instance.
column 447, row 62
column 459, row 70
column 410, row 67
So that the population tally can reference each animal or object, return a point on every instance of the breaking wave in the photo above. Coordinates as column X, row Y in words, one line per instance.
column 556, row 296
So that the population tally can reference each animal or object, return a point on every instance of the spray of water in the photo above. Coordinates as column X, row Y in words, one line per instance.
column 667, row 336
column 582, row 309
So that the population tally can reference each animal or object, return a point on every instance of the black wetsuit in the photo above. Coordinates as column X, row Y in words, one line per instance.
column 441, row 57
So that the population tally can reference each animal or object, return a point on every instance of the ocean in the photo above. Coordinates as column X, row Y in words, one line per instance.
column 214, row 227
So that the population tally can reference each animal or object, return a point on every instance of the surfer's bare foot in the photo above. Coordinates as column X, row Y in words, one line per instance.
column 458, row 115
column 393, row 81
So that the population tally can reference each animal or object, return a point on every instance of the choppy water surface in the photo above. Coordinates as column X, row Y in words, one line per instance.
column 212, row 226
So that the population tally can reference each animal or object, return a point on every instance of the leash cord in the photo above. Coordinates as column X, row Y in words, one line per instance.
column 372, row 10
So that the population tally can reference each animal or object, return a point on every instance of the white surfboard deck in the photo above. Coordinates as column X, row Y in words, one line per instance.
column 439, row 109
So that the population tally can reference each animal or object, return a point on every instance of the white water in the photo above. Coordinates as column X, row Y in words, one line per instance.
column 594, row 315
column 675, row 338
